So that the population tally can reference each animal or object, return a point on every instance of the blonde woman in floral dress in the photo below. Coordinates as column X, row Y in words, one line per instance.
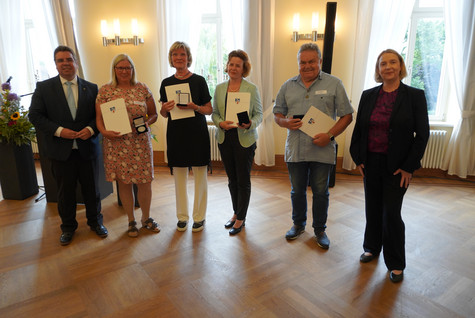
column 128, row 158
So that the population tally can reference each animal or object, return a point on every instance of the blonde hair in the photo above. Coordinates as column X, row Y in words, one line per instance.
column 246, row 65
column 180, row 45
column 115, row 61
column 402, row 73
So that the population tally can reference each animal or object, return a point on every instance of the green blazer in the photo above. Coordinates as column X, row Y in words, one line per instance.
column 247, row 137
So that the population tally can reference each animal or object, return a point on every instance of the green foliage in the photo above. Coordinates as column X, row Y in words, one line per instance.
column 15, row 128
column 428, row 55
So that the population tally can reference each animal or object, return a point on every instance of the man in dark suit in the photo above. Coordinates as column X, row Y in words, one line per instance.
column 63, row 111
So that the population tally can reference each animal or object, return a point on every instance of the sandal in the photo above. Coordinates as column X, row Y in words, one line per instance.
column 151, row 225
column 133, row 231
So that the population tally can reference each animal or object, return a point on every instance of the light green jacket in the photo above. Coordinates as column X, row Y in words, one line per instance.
column 246, row 136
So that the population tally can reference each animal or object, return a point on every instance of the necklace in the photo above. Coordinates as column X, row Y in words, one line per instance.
column 234, row 89
column 181, row 76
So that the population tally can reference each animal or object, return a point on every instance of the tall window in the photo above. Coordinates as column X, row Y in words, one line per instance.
column 424, row 50
column 214, row 43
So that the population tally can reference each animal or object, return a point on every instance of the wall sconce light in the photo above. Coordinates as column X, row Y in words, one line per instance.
column 117, row 40
column 314, row 36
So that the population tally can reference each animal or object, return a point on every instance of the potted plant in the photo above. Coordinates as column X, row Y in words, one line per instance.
column 17, row 168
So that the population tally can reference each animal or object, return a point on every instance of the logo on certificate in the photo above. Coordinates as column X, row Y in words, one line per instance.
column 112, row 109
column 311, row 121
column 237, row 100
column 178, row 91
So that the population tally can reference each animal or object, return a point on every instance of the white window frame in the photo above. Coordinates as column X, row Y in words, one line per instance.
column 418, row 14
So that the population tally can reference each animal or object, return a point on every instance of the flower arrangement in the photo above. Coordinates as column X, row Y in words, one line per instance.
column 15, row 128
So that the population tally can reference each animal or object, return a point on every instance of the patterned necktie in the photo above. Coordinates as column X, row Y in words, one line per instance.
column 71, row 101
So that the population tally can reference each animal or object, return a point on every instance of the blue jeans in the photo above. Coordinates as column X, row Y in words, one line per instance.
column 315, row 174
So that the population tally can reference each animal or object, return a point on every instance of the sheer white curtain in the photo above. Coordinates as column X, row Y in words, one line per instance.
column 13, row 53
column 460, row 61
column 259, row 43
column 381, row 28
column 233, row 27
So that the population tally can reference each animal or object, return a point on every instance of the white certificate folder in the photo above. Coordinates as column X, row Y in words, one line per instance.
column 114, row 114
column 315, row 122
column 173, row 92
column 237, row 103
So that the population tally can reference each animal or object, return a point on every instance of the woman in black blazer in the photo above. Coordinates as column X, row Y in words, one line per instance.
column 388, row 142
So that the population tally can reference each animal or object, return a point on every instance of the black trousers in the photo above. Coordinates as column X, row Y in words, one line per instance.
column 384, row 225
column 237, row 162
column 67, row 174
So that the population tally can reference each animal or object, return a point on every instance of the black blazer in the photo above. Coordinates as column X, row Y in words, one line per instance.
column 408, row 128
column 49, row 109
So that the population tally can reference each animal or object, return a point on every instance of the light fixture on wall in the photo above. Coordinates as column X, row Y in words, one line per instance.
column 314, row 36
column 117, row 40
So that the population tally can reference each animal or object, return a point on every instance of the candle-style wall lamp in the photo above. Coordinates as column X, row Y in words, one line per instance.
column 314, row 36
column 117, row 40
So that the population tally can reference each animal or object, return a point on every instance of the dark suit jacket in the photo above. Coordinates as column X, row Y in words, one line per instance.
column 408, row 128
column 49, row 110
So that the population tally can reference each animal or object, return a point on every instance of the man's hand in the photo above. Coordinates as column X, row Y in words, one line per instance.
column 84, row 134
column 321, row 139
column 67, row 133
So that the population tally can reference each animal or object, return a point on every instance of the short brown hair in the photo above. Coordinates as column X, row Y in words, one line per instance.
column 180, row 45
column 402, row 73
column 246, row 67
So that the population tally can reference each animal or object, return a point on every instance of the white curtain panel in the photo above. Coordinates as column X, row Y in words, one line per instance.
column 460, row 58
column 13, row 49
column 259, row 44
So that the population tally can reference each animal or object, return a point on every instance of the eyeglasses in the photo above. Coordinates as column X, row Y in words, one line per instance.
column 124, row 69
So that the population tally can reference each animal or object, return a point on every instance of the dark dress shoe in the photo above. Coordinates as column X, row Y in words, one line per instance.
column 294, row 232
column 396, row 278
column 366, row 258
column 100, row 230
column 229, row 224
column 236, row 230
column 66, row 238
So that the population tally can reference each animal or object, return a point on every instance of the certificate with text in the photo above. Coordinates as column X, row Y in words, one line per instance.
column 115, row 116
column 236, row 103
column 173, row 92
column 315, row 122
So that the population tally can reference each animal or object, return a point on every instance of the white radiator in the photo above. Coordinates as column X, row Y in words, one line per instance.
column 435, row 150
column 215, row 155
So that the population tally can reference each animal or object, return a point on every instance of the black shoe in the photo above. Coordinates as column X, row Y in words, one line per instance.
column 181, row 226
column 229, row 224
column 395, row 278
column 236, row 230
column 366, row 258
column 198, row 226
column 66, row 238
column 322, row 240
column 294, row 232
column 100, row 230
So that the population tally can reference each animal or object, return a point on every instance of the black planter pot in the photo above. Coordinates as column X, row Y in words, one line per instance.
column 17, row 172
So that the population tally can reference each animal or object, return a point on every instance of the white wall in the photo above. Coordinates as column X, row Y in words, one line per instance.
column 96, row 59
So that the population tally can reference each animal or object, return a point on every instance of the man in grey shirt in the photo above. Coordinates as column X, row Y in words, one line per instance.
column 309, row 160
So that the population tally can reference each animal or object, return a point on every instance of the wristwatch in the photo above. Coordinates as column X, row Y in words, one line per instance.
column 331, row 136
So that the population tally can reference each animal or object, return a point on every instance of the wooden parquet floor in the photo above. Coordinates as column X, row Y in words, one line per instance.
column 254, row 274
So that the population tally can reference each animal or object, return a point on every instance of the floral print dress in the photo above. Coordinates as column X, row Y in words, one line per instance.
column 128, row 158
